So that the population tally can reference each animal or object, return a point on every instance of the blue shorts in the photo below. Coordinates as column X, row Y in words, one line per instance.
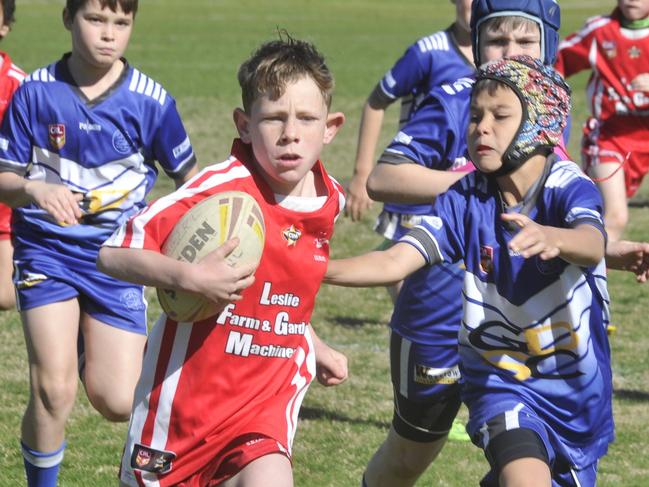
column 520, row 417
column 44, row 277
column 426, row 389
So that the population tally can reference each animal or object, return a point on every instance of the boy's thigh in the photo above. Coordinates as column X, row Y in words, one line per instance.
column 249, row 460
column 44, row 279
column 426, row 391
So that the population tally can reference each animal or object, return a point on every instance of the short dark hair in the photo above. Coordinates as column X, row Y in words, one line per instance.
column 276, row 63
column 8, row 10
column 128, row 6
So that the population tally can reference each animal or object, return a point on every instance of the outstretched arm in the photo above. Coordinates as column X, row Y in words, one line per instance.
column 212, row 277
column 625, row 255
column 582, row 245
column 377, row 268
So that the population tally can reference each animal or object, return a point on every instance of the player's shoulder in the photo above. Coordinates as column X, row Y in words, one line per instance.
column 436, row 42
column 145, row 89
column 565, row 173
column 40, row 76
column 596, row 23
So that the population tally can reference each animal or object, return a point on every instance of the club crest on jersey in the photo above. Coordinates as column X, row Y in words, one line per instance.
column 292, row 235
column 609, row 48
column 56, row 135
column 486, row 259
column 151, row 460
column 634, row 52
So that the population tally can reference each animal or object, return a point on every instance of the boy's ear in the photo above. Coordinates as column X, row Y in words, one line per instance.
column 335, row 120
column 4, row 30
column 67, row 21
column 242, row 123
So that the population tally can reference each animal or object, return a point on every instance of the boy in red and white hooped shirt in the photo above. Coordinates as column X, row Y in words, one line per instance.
column 10, row 78
column 615, row 48
column 218, row 400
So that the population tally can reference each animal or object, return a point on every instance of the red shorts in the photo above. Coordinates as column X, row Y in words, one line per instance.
column 601, row 148
column 5, row 222
column 233, row 458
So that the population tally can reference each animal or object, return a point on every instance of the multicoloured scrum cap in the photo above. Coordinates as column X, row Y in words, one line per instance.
column 546, row 13
column 545, row 97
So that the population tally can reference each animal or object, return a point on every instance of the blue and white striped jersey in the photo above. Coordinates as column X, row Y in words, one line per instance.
column 429, row 62
column 103, row 148
column 434, row 136
column 532, row 330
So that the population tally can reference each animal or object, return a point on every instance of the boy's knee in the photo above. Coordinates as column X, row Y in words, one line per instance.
column 408, row 459
column 56, row 396
column 113, row 405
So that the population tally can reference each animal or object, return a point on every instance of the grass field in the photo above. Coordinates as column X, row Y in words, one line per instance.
column 194, row 48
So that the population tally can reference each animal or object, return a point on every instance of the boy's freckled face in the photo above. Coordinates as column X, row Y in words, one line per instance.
column 497, row 44
column 495, row 119
column 99, row 35
column 288, row 134
column 634, row 9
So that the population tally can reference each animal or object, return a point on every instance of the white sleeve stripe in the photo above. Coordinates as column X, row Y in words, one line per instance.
column 149, row 87
column 142, row 84
column 163, row 96
column 579, row 36
column 19, row 75
column 134, row 80
column 156, row 91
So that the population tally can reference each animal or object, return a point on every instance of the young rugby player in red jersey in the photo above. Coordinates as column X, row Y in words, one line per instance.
column 615, row 48
column 210, row 408
column 10, row 78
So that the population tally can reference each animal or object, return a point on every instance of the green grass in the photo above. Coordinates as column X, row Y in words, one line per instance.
column 194, row 48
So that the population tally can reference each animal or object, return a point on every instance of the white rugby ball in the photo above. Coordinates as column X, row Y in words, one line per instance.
column 200, row 231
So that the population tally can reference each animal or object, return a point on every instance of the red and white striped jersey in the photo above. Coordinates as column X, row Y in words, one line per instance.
column 616, row 55
column 10, row 78
column 245, row 371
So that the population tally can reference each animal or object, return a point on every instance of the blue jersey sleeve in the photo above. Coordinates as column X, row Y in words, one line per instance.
column 435, row 136
column 409, row 73
column 16, row 135
column 171, row 145
column 579, row 201
column 440, row 236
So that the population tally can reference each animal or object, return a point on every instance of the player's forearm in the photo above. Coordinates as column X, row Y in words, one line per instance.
column 368, row 137
column 13, row 190
column 409, row 183
column 582, row 246
column 146, row 267
column 377, row 268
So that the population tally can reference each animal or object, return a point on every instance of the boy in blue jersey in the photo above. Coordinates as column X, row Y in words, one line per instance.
column 424, row 325
column 433, row 60
column 77, row 152
column 528, row 228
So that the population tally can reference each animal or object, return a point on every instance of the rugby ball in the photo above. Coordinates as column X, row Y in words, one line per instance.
column 204, row 227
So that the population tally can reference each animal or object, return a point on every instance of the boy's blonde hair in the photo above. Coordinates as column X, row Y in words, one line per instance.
column 277, row 63
column 509, row 24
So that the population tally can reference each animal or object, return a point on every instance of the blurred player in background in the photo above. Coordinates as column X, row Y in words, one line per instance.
column 615, row 154
column 77, row 152
column 10, row 78
column 217, row 402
